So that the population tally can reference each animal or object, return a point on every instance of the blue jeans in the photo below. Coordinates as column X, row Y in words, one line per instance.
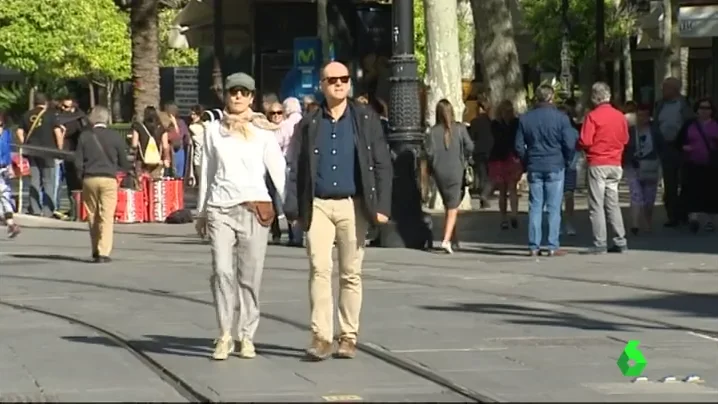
column 179, row 162
column 545, row 189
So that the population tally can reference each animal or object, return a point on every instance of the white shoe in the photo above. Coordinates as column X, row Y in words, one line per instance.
column 246, row 349
column 223, row 347
column 446, row 246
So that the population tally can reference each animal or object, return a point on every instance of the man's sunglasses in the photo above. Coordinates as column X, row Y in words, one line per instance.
column 275, row 113
column 240, row 90
column 334, row 80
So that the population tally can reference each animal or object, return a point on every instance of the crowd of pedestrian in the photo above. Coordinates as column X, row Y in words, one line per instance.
column 326, row 167
column 670, row 142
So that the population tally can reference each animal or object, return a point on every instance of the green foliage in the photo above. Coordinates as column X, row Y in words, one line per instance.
column 13, row 99
column 15, row 96
column 420, row 36
column 64, row 38
column 170, row 57
column 104, row 51
column 543, row 19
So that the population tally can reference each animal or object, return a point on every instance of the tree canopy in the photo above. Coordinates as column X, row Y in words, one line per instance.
column 544, row 20
column 64, row 39
column 170, row 57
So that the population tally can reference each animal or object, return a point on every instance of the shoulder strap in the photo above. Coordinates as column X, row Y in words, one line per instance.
column 102, row 148
column 703, row 136
column 149, row 138
column 34, row 124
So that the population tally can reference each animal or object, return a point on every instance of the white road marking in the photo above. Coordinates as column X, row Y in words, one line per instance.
column 448, row 350
column 699, row 335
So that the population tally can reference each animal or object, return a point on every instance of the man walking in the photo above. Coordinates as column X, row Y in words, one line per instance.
column 604, row 135
column 669, row 116
column 99, row 155
column 38, row 129
column 340, row 182
column 546, row 144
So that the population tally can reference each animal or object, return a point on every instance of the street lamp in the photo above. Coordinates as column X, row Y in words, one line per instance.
column 406, row 134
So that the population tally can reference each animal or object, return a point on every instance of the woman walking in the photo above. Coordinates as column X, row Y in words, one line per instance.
column 698, row 140
column 505, row 168
column 150, row 140
column 196, row 131
column 642, row 169
column 450, row 150
column 235, row 210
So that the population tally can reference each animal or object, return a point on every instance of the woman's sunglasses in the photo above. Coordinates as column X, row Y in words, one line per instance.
column 275, row 113
column 334, row 80
column 239, row 90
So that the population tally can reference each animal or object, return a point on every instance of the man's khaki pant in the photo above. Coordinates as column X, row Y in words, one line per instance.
column 343, row 220
column 99, row 195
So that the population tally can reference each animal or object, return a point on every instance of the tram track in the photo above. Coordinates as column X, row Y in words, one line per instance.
column 179, row 385
column 376, row 350
column 185, row 389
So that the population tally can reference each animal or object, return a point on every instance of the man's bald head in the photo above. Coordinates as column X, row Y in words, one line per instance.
column 671, row 88
column 335, row 82
column 334, row 69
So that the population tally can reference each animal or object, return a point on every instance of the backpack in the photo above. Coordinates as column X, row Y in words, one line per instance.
column 151, row 155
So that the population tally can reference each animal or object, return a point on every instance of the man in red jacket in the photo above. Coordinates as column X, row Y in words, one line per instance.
column 604, row 135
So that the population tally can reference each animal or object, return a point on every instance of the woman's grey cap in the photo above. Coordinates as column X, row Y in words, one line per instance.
column 239, row 80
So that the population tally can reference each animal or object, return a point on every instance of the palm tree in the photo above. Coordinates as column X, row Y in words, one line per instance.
column 144, row 32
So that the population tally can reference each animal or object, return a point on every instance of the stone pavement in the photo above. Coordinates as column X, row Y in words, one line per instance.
column 488, row 318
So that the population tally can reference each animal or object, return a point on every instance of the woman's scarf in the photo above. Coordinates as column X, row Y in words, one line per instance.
column 240, row 123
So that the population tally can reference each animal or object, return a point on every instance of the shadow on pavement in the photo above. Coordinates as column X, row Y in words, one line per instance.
column 484, row 227
column 518, row 314
column 692, row 304
column 50, row 257
column 186, row 346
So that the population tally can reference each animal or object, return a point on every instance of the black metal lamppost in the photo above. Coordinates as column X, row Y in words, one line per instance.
column 406, row 134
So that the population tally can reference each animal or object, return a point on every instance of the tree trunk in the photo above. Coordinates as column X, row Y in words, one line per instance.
column 323, row 28
column 501, row 68
column 467, row 35
column 684, row 57
column 627, row 68
column 145, row 54
column 91, row 90
column 443, row 70
column 109, row 89
column 671, row 56
column 616, row 81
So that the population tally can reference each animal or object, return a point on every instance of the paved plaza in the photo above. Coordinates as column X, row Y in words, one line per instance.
column 490, row 320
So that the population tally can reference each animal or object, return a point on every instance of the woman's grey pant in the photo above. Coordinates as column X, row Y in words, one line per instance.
column 239, row 244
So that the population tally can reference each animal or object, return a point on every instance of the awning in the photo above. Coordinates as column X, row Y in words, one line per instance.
column 696, row 21
column 193, row 26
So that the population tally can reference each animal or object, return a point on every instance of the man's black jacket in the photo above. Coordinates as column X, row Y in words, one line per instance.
column 376, row 174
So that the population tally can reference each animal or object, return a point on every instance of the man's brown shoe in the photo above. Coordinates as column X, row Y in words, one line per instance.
column 347, row 349
column 319, row 350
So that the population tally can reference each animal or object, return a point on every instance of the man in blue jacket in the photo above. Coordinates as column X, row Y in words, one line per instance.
column 546, row 144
